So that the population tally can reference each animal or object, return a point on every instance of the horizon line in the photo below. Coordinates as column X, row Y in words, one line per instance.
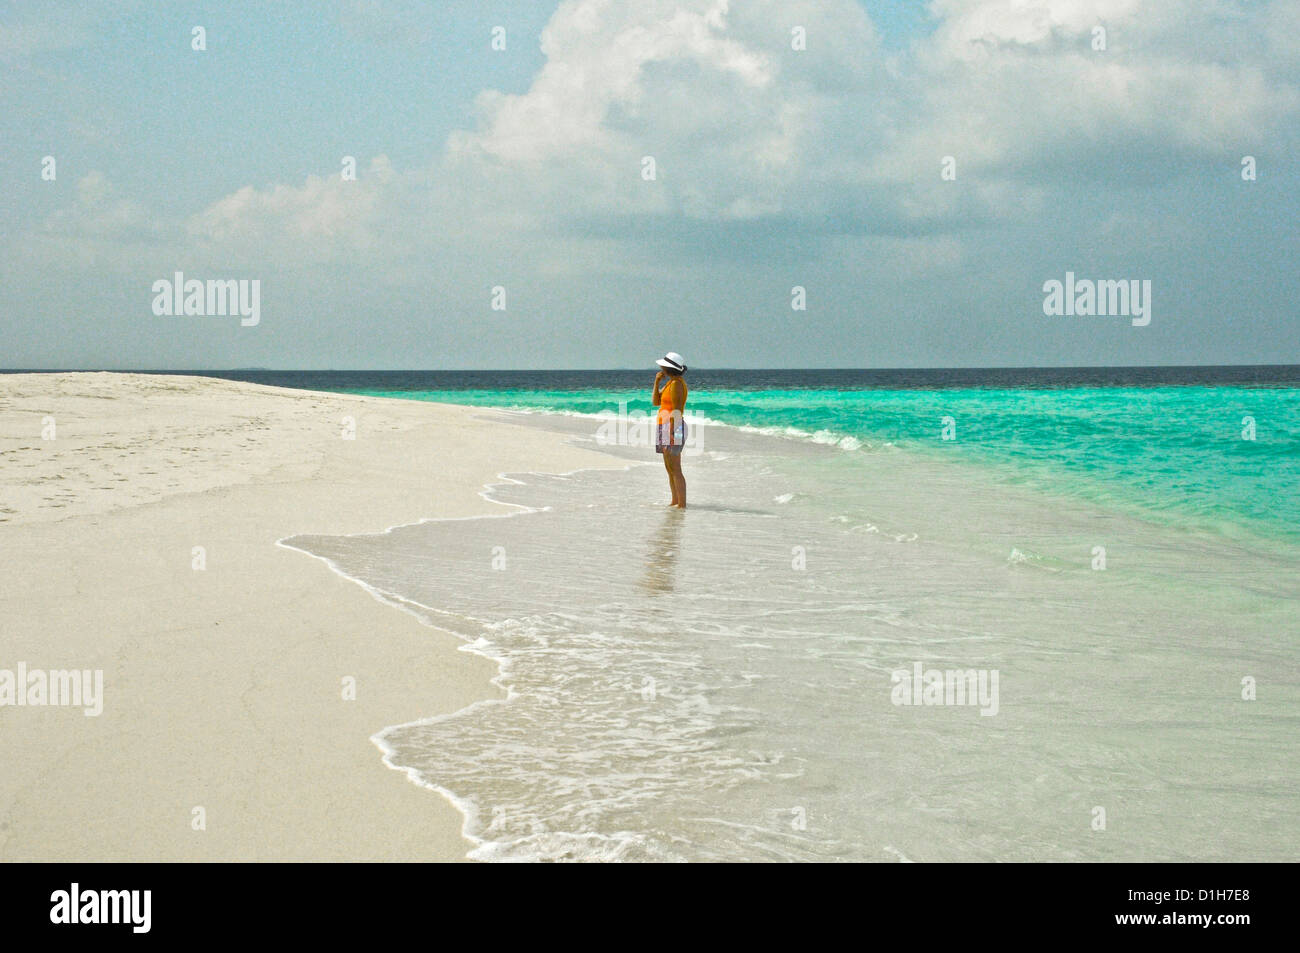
column 597, row 370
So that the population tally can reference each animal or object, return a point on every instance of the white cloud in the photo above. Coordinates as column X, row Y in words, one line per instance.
column 324, row 210
column 841, row 137
column 598, row 54
column 42, row 26
column 101, row 212
column 977, row 29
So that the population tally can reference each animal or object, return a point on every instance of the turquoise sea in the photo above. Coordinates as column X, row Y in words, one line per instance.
column 1219, row 454
column 1066, row 633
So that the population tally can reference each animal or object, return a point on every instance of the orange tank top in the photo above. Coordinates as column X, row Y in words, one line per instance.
column 667, row 403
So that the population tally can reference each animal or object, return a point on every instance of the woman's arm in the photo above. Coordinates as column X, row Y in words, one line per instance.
column 655, row 396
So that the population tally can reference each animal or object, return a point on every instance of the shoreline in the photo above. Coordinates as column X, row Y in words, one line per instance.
column 222, row 686
column 1064, row 481
column 465, row 808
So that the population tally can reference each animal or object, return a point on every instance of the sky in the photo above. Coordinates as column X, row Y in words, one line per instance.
column 627, row 177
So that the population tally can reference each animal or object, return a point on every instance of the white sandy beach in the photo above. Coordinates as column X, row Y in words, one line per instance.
column 223, row 686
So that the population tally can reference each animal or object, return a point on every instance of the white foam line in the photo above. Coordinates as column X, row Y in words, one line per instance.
column 468, row 812
column 847, row 442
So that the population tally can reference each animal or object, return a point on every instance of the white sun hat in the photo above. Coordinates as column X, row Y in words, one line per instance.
column 672, row 361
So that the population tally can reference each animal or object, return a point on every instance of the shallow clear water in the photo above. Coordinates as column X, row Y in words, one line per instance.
column 1177, row 453
column 717, row 684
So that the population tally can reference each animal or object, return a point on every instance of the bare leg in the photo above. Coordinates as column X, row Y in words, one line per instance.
column 678, row 480
column 672, row 483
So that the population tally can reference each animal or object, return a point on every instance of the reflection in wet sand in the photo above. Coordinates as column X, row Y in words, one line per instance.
column 662, row 553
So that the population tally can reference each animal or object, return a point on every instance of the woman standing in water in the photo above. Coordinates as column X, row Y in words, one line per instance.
column 670, row 426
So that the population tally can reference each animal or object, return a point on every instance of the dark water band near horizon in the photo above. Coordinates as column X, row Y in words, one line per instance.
column 939, row 378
